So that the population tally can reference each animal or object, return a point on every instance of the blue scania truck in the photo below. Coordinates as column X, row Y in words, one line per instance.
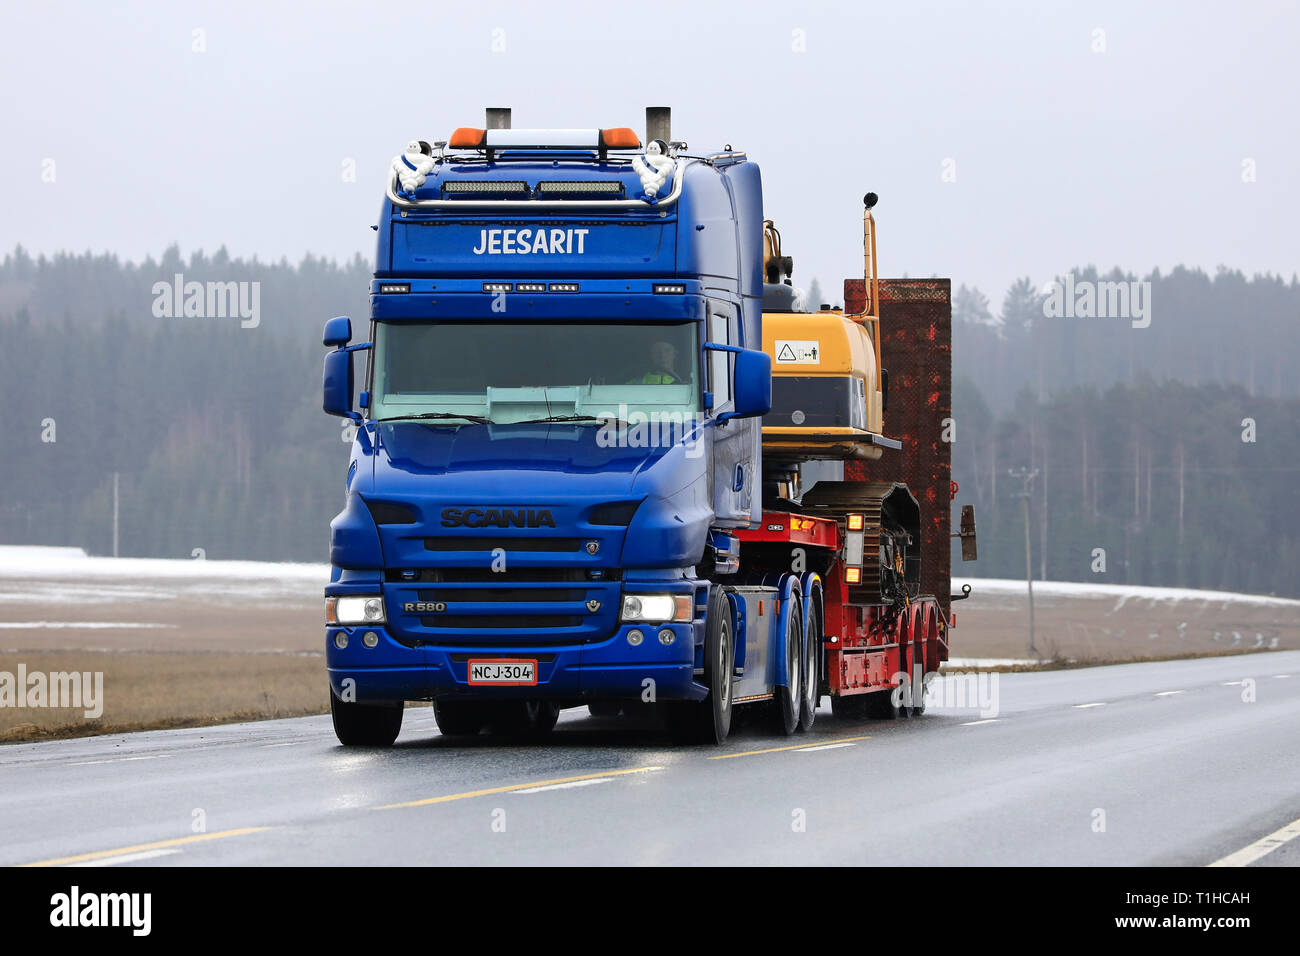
column 557, row 494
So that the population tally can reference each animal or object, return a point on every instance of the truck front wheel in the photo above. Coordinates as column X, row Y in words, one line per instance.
column 365, row 725
column 709, row 720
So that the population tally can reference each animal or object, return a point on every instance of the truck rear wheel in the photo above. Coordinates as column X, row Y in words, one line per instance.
column 812, row 675
column 365, row 725
column 788, row 704
column 709, row 720
column 459, row 718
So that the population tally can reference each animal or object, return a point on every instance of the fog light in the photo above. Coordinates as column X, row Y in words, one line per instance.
column 635, row 637
column 341, row 640
column 666, row 636
column 370, row 639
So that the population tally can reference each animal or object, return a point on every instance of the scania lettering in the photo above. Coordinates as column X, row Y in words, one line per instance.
column 512, row 543
column 497, row 518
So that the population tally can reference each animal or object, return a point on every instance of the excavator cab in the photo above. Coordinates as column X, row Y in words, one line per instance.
column 828, row 391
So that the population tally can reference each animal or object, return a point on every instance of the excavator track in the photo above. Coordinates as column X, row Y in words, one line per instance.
column 891, row 554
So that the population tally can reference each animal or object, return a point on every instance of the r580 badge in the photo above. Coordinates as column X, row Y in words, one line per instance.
column 424, row 607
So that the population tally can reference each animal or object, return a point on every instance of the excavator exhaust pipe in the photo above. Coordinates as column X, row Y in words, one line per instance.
column 658, row 124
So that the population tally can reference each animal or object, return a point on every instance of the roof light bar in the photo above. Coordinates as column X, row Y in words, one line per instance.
column 561, row 187
column 616, row 137
column 514, row 188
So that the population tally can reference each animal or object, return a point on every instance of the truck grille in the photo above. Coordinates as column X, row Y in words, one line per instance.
column 484, row 611
column 477, row 543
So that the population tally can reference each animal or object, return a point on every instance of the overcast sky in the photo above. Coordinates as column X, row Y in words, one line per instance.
column 1105, row 133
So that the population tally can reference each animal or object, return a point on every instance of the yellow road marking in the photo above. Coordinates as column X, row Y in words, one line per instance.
column 773, row 750
column 514, row 786
column 1261, row 847
column 101, row 854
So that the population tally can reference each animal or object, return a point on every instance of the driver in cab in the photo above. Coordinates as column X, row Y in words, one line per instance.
column 663, row 357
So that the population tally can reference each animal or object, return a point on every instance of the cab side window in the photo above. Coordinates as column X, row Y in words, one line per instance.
column 720, row 362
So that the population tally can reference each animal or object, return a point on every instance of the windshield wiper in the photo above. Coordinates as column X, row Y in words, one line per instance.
column 567, row 418
column 438, row 416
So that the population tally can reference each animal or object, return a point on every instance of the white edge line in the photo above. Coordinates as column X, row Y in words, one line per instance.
column 564, row 786
column 986, row 720
column 1096, row 703
column 127, row 858
column 1261, row 847
column 808, row 750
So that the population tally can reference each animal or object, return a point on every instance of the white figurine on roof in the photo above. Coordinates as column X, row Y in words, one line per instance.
column 413, row 166
column 654, row 167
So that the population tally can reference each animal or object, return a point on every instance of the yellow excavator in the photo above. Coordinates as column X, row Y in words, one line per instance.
column 828, row 396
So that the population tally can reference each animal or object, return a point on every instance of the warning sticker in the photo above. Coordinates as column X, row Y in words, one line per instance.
column 798, row 352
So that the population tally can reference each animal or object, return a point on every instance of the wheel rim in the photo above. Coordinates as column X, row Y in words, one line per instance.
column 792, row 661
column 724, row 665
column 810, row 672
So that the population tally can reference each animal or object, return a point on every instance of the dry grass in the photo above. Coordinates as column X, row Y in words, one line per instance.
column 152, row 690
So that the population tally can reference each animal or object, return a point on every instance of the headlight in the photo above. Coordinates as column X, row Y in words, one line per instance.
column 362, row 609
column 657, row 608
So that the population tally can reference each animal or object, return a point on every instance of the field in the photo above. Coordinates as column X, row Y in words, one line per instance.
column 183, row 643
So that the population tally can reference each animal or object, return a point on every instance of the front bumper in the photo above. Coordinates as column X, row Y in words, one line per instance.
column 611, row 668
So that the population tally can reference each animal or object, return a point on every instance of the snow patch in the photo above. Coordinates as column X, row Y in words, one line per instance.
column 1121, row 593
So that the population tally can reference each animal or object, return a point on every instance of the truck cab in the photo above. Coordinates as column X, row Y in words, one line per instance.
column 557, row 429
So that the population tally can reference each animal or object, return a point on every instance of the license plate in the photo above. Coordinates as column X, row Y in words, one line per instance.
column 502, row 671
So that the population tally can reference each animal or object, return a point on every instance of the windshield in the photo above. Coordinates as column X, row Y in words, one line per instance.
column 506, row 372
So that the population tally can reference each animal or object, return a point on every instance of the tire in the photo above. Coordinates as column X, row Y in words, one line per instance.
column 879, row 705
column 789, row 698
column 365, row 725
column 853, row 707
column 459, row 718
column 522, row 718
column 812, row 691
column 709, row 720
column 906, row 654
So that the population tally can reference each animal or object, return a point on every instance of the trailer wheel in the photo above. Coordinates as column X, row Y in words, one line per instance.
column 920, row 650
column 852, row 707
column 459, row 718
column 709, row 720
column 788, row 704
column 812, row 672
column 365, row 725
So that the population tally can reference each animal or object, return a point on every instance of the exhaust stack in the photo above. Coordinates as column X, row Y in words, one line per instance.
column 658, row 123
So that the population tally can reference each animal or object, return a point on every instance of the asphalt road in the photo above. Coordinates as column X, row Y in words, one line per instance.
column 1154, row 764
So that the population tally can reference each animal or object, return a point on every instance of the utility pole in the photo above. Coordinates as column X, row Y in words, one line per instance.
column 115, row 477
column 1027, row 476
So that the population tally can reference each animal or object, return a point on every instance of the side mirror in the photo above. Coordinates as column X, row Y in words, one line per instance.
column 338, row 331
column 337, row 385
column 753, row 379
